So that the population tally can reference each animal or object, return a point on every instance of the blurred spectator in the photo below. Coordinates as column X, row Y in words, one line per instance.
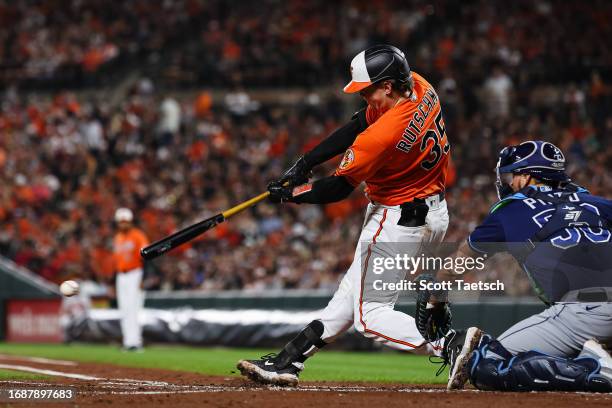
column 170, row 120
column 498, row 91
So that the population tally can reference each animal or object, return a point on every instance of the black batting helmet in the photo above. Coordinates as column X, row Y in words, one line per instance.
column 376, row 64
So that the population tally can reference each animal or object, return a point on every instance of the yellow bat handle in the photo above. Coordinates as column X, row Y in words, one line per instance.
column 242, row 206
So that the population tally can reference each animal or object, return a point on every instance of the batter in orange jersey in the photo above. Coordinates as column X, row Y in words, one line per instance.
column 399, row 148
column 129, row 274
column 403, row 154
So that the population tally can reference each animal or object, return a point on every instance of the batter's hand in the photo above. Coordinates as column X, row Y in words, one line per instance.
column 297, row 174
column 280, row 192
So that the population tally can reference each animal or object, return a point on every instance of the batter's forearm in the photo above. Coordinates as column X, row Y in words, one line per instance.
column 338, row 141
column 326, row 190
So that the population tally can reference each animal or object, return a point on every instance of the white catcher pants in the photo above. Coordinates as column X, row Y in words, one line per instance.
column 130, row 301
column 374, row 316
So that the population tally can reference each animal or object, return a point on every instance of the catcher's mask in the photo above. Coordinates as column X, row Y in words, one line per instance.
column 542, row 160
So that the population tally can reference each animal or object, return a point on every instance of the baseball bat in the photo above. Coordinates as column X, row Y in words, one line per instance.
column 165, row 244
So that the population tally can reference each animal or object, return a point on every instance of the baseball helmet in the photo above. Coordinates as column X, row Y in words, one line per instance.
column 376, row 64
column 542, row 160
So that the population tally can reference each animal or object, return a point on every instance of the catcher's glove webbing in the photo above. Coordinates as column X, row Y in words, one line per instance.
column 433, row 314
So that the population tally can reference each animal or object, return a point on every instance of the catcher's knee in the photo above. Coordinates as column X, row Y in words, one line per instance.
column 533, row 371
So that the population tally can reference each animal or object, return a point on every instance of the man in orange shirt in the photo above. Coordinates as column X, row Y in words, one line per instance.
column 398, row 146
column 129, row 269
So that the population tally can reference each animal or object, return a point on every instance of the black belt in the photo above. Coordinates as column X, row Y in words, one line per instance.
column 440, row 196
column 588, row 295
column 415, row 212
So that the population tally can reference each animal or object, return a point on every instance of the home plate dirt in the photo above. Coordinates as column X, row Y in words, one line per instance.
column 104, row 385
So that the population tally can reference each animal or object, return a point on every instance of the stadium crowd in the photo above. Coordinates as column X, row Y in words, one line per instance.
column 294, row 42
column 68, row 162
column 54, row 43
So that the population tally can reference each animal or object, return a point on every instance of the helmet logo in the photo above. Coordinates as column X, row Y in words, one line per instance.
column 552, row 153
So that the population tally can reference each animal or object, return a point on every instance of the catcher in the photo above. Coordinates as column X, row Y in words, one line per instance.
column 561, row 236
column 398, row 147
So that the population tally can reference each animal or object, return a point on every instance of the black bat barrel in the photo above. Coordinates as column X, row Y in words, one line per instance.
column 178, row 238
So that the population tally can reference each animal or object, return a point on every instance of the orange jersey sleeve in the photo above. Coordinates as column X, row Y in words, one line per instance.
column 366, row 156
column 404, row 152
column 126, row 250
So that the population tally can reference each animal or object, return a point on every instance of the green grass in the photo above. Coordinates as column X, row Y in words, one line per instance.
column 19, row 375
column 325, row 366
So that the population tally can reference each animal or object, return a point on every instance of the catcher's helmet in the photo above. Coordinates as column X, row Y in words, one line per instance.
column 376, row 64
column 542, row 160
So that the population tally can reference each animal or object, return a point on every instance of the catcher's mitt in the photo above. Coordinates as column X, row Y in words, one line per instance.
column 433, row 314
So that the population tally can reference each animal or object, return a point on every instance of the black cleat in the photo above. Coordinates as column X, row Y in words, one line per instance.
column 266, row 371
column 458, row 348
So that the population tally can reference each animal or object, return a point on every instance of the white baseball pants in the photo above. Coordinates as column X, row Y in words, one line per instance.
column 372, row 315
column 130, row 300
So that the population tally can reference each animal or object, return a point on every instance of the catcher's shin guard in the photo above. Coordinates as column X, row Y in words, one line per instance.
column 534, row 371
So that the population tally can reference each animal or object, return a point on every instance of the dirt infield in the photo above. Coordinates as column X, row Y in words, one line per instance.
column 105, row 385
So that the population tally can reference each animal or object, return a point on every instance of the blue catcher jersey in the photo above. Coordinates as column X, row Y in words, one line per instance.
column 576, row 251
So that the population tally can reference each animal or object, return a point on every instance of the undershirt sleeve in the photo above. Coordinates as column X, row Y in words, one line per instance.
column 338, row 141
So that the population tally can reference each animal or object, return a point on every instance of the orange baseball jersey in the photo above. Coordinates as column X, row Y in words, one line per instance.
column 404, row 152
column 126, row 249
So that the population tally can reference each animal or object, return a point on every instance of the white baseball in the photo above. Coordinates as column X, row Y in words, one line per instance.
column 69, row 288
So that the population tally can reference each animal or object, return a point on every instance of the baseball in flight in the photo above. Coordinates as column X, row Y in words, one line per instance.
column 69, row 288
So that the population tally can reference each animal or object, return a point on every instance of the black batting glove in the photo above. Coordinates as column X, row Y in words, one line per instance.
column 280, row 192
column 297, row 174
